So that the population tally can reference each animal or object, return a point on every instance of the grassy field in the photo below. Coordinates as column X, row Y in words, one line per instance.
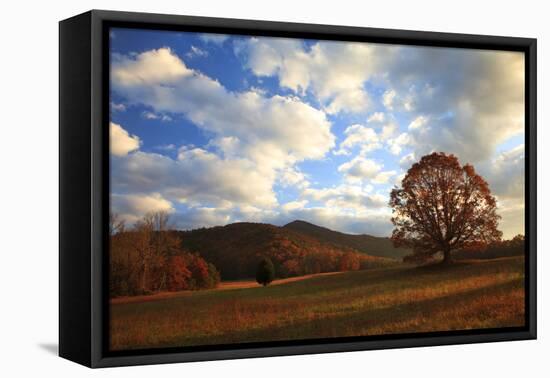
column 467, row 295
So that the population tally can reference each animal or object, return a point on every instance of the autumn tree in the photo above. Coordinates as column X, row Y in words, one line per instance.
column 149, row 257
column 442, row 206
column 116, row 225
column 141, row 241
column 154, row 245
column 120, row 257
column 179, row 275
column 265, row 273
column 349, row 261
column 214, row 276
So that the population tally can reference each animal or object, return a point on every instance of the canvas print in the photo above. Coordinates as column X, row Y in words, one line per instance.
column 279, row 189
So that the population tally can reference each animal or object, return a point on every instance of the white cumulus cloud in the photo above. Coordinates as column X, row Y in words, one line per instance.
column 361, row 168
column 121, row 141
column 266, row 127
column 358, row 135
column 333, row 71
column 132, row 207
column 152, row 67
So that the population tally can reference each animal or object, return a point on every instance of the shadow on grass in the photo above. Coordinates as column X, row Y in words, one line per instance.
column 345, row 324
column 463, row 309
column 398, row 275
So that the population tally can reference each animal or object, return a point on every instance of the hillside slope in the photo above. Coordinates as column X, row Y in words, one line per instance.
column 236, row 249
column 372, row 245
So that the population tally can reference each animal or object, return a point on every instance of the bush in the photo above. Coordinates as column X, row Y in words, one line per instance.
column 213, row 277
column 188, row 271
column 178, row 274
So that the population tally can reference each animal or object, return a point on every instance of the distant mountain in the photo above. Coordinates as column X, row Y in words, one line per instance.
column 372, row 245
column 237, row 248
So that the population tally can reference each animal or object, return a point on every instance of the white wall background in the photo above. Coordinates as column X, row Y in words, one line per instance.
column 29, row 174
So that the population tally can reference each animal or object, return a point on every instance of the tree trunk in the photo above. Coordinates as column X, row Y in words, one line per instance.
column 144, row 278
column 447, row 259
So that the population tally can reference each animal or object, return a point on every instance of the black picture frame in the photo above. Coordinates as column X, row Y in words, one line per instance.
column 84, row 186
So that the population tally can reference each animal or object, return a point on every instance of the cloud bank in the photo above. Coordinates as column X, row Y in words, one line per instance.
column 318, row 130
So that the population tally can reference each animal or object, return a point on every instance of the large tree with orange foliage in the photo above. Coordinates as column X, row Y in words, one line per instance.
column 442, row 206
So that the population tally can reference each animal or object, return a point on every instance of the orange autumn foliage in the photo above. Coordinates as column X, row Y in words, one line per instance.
column 441, row 207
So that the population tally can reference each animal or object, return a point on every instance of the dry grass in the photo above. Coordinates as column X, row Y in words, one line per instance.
column 225, row 285
column 468, row 295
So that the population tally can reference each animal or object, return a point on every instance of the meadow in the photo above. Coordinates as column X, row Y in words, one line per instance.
column 471, row 294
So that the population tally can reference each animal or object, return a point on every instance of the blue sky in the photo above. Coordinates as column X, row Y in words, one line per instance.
column 217, row 129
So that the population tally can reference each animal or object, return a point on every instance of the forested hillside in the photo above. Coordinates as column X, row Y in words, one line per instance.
column 372, row 245
column 237, row 248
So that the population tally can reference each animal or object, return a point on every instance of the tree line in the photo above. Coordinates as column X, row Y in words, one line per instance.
column 500, row 248
column 148, row 258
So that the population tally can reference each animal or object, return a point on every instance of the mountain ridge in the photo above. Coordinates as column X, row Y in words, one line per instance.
column 372, row 245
